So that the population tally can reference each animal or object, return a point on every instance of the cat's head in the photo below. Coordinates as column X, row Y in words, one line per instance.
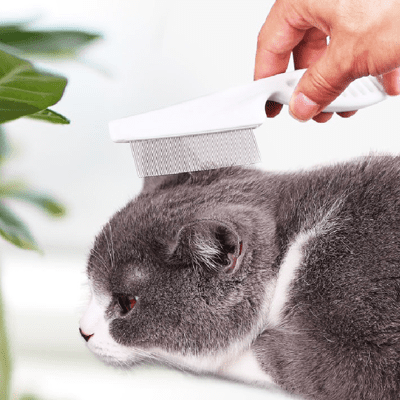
column 180, row 275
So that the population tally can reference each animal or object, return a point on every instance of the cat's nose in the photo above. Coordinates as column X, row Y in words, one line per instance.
column 86, row 337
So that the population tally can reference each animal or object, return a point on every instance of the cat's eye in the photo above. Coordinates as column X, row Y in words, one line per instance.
column 126, row 303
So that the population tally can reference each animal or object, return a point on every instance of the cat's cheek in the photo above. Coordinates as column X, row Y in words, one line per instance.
column 94, row 324
column 109, row 351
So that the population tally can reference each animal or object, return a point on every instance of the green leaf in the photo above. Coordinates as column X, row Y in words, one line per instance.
column 24, row 90
column 28, row 397
column 46, row 203
column 9, row 188
column 6, row 26
column 14, row 230
column 61, row 43
column 5, row 356
column 50, row 116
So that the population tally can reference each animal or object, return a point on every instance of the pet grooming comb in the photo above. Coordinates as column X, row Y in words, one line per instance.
column 217, row 130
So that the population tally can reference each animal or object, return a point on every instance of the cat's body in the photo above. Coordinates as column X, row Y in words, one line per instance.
column 286, row 278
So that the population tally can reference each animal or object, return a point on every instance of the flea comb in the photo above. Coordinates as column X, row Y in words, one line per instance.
column 217, row 130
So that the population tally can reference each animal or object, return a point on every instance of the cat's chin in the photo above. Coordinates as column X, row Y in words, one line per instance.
column 113, row 354
column 120, row 364
column 126, row 363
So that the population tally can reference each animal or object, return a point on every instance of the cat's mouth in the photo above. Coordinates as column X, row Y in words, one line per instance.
column 119, row 357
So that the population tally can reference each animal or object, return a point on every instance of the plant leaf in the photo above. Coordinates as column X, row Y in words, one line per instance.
column 14, row 230
column 28, row 397
column 50, row 116
column 24, row 90
column 61, row 43
column 46, row 203
column 9, row 188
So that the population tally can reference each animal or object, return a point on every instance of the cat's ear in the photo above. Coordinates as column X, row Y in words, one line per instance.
column 210, row 244
column 151, row 183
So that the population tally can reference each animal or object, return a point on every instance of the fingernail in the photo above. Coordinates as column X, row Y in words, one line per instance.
column 302, row 108
column 397, row 86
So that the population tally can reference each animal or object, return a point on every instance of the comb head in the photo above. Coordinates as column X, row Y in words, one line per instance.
column 171, row 155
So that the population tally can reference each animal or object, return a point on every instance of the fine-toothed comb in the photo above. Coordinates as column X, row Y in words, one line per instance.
column 217, row 130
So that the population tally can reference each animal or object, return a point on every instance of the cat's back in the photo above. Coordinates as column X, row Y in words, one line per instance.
column 338, row 335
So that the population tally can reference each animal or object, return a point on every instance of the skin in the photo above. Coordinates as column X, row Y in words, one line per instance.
column 364, row 39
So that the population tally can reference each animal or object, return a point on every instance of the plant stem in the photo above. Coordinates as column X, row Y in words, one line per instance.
column 5, row 360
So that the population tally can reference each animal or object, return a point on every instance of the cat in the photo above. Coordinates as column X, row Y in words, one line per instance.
column 287, row 279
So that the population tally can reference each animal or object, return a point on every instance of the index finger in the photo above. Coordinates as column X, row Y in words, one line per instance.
column 280, row 34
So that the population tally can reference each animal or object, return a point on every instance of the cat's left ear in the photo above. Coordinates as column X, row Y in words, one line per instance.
column 211, row 245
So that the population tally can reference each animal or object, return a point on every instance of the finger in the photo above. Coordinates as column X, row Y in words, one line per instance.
column 276, row 41
column 346, row 114
column 310, row 49
column 307, row 52
column 320, row 85
column 323, row 117
column 391, row 82
column 272, row 108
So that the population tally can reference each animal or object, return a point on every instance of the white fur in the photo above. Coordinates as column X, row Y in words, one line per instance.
column 287, row 274
column 293, row 259
column 246, row 369
column 206, row 250
column 93, row 317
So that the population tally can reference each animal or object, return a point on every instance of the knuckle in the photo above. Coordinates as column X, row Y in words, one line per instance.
column 323, row 86
column 329, row 86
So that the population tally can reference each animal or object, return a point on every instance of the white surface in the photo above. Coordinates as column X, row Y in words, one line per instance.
column 155, row 53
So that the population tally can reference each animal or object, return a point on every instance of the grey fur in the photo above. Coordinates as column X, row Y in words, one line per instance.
column 339, row 335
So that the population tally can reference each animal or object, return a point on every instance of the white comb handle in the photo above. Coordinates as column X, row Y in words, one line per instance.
column 236, row 108
column 362, row 92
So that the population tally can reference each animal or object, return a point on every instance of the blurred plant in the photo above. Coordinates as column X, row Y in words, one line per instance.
column 25, row 91
column 12, row 228
column 50, row 43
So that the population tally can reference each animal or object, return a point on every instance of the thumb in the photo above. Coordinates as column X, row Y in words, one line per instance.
column 323, row 81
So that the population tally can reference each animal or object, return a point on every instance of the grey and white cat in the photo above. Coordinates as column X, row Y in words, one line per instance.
column 291, row 279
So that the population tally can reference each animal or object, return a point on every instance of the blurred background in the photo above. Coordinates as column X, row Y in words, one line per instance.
column 154, row 53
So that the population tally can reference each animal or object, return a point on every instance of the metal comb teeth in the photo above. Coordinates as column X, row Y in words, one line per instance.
column 171, row 155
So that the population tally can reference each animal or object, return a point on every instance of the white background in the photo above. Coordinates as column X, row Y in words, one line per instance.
column 155, row 53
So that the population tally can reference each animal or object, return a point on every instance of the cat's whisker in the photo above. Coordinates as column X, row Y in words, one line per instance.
column 112, row 247
column 165, row 361
column 109, row 246
column 99, row 258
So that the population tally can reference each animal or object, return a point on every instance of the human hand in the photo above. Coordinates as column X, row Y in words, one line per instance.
column 364, row 40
